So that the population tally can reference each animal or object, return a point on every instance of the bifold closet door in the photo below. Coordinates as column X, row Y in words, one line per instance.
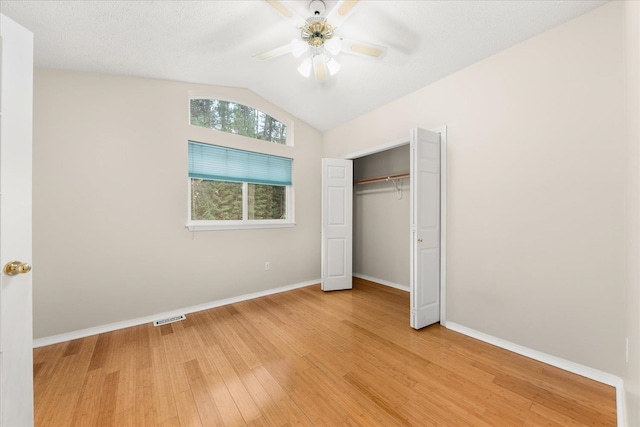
column 337, row 224
column 425, row 228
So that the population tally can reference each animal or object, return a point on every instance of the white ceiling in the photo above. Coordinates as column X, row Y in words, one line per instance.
column 213, row 42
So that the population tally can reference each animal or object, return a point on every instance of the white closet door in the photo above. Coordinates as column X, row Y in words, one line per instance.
column 337, row 224
column 425, row 228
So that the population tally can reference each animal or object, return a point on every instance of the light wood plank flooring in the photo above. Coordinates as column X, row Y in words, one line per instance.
column 306, row 358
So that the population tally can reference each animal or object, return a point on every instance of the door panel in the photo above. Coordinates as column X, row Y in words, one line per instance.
column 335, row 258
column 336, row 206
column 430, row 295
column 16, row 335
column 337, row 227
column 425, row 228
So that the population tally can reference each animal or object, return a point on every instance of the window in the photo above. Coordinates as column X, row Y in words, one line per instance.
column 237, row 119
column 232, row 188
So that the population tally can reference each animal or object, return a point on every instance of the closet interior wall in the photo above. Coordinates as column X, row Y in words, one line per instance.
column 381, row 234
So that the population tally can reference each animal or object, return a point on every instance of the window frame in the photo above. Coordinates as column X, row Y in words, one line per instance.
column 245, row 222
column 227, row 139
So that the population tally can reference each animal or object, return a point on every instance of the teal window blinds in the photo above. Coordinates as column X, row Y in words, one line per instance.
column 229, row 164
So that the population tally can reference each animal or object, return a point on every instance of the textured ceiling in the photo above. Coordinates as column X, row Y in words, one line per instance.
column 213, row 42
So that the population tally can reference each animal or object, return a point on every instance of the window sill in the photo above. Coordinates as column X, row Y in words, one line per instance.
column 237, row 226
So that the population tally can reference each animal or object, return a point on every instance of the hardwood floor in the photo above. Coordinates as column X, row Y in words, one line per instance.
column 306, row 357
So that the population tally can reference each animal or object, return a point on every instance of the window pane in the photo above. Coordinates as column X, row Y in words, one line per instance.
column 267, row 201
column 215, row 200
column 237, row 119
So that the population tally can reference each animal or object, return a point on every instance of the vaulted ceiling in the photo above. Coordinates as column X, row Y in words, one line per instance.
column 214, row 42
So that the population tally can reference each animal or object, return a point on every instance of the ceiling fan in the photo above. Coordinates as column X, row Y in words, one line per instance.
column 317, row 38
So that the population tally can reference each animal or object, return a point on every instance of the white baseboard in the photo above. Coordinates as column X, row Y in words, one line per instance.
column 576, row 368
column 68, row 336
column 382, row 282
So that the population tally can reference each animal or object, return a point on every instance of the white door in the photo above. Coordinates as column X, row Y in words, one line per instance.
column 16, row 336
column 337, row 224
column 425, row 228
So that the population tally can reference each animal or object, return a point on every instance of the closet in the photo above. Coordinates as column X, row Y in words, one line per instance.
column 381, row 217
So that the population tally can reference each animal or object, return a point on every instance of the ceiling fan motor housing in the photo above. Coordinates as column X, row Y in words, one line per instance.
column 317, row 31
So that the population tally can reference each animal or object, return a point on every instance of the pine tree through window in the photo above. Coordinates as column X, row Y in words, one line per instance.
column 237, row 119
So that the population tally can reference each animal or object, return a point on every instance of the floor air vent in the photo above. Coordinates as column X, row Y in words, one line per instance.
column 169, row 320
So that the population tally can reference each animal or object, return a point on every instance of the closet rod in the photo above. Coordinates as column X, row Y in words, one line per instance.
column 381, row 178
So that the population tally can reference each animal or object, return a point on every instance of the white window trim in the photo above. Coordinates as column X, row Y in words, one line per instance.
column 281, row 116
column 245, row 223
column 237, row 225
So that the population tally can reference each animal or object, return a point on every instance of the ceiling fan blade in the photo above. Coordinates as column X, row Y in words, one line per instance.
column 356, row 47
column 341, row 12
column 287, row 14
column 274, row 53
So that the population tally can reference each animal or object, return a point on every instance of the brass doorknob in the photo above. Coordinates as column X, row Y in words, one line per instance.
column 16, row 267
column 420, row 240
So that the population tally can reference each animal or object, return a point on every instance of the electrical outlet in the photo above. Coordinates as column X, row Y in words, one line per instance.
column 267, row 266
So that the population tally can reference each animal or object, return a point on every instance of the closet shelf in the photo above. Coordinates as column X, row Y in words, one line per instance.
column 381, row 178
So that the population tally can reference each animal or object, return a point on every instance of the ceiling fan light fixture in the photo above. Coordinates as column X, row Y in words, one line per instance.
column 333, row 66
column 317, row 45
column 298, row 48
column 305, row 67
column 333, row 45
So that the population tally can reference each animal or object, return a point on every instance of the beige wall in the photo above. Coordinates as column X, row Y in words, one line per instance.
column 632, row 291
column 381, row 233
column 110, row 205
column 536, row 187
